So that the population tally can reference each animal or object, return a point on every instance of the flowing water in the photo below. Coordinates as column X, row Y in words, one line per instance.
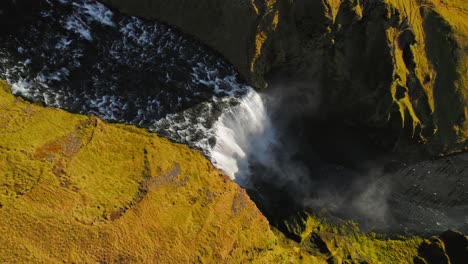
column 243, row 132
column 83, row 57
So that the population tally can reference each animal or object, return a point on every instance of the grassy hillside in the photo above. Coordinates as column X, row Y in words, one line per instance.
column 74, row 189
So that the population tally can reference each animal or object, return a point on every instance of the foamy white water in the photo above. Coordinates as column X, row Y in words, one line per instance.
column 241, row 132
column 138, row 72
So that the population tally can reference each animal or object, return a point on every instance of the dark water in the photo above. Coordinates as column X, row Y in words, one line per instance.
column 85, row 58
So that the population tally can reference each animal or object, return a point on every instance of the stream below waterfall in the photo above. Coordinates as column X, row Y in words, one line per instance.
column 85, row 58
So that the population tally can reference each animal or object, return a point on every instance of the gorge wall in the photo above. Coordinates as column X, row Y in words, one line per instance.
column 387, row 65
column 74, row 188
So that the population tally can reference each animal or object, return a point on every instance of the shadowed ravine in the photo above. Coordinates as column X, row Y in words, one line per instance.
column 124, row 69
column 339, row 175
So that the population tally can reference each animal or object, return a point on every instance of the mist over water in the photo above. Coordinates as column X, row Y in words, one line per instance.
column 242, row 133
column 260, row 154
column 277, row 144
column 257, row 152
column 290, row 165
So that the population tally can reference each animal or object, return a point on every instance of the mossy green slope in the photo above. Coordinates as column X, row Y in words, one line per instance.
column 74, row 189
column 394, row 64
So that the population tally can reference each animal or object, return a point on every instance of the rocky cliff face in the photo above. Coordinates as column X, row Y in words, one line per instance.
column 395, row 65
column 76, row 189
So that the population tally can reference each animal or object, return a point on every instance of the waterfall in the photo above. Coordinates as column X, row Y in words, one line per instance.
column 242, row 132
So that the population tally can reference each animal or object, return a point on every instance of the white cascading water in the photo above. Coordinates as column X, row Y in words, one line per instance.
column 242, row 132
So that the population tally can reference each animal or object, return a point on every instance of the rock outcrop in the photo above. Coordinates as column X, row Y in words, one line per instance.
column 449, row 247
column 382, row 64
column 343, row 243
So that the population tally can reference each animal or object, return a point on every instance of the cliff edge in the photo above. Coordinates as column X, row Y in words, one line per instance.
column 75, row 189
column 395, row 65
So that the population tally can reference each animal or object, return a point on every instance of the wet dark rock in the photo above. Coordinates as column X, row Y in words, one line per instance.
column 450, row 247
column 456, row 246
column 433, row 251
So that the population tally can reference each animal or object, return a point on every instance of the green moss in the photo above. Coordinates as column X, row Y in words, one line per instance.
column 74, row 188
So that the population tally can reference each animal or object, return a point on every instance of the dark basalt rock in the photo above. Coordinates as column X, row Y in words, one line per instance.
column 450, row 247
column 433, row 251
column 456, row 245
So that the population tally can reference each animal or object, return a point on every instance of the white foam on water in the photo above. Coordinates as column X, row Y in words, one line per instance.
column 79, row 27
column 98, row 12
column 21, row 87
column 242, row 132
column 228, row 125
